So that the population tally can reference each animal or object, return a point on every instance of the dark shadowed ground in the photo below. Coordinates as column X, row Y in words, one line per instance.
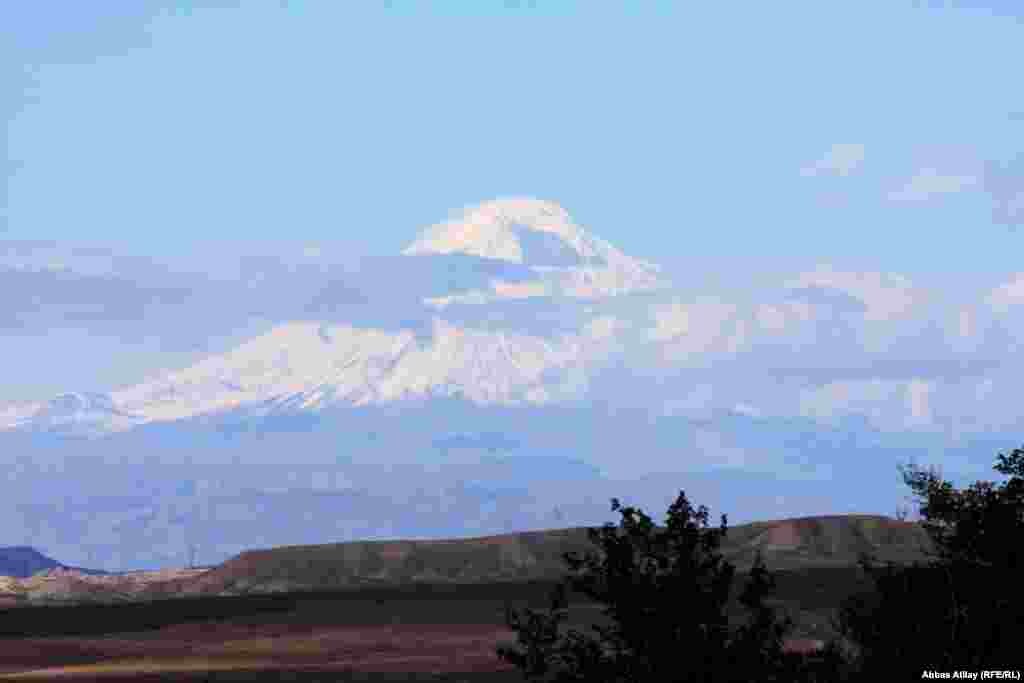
column 399, row 610
column 407, row 633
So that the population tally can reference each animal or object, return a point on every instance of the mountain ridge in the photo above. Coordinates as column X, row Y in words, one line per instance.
column 24, row 561
column 820, row 541
column 308, row 364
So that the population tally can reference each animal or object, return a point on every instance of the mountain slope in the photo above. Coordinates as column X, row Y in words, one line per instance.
column 307, row 365
column 24, row 561
column 833, row 541
column 542, row 236
column 828, row 541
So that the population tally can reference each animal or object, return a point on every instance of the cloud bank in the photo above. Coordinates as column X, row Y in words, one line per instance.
column 841, row 160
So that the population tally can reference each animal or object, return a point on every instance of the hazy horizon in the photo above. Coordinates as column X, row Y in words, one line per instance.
column 764, row 255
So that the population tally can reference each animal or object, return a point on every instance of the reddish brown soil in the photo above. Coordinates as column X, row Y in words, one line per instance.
column 784, row 534
column 263, row 648
column 187, row 647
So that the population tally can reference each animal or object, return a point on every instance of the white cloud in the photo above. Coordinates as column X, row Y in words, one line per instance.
column 880, row 400
column 771, row 318
column 886, row 295
column 1008, row 294
column 695, row 327
column 928, row 183
column 815, row 344
column 841, row 160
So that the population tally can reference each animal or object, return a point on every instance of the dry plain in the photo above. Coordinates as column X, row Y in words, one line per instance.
column 368, row 611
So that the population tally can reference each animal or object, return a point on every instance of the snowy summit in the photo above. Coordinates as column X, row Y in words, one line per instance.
column 542, row 236
column 309, row 365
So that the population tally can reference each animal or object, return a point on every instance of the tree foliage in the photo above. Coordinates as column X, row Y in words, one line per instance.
column 961, row 609
column 665, row 592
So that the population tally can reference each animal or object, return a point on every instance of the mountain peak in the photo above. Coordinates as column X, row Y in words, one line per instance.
column 23, row 561
column 522, row 230
column 310, row 365
column 540, row 235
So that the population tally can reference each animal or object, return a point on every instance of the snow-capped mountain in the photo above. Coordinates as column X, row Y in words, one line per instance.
column 541, row 235
column 434, row 391
column 78, row 412
column 308, row 365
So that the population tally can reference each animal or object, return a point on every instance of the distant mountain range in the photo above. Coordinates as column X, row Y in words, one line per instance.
column 24, row 561
column 506, row 371
column 499, row 251
column 507, row 303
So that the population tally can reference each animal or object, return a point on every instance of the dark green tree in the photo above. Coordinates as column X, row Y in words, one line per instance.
column 665, row 592
column 962, row 608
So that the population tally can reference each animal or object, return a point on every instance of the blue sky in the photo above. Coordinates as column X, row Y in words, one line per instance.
column 675, row 130
column 727, row 146
column 200, row 167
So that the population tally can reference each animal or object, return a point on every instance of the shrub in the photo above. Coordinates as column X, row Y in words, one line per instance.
column 665, row 592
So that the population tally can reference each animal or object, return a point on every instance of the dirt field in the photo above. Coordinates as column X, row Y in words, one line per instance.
column 262, row 650
column 444, row 634
column 421, row 648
